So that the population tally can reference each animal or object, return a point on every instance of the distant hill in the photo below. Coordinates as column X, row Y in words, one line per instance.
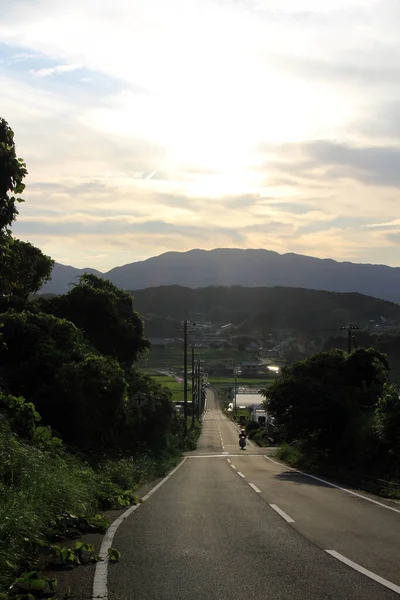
column 251, row 268
column 262, row 308
column 63, row 277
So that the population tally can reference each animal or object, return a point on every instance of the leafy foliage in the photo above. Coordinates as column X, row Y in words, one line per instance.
column 22, row 415
column 387, row 420
column 23, row 268
column 324, row 400
column 96, row 301
column 12, row 173
column 79, row 393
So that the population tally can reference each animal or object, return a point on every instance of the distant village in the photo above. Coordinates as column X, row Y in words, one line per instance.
column 278, row 347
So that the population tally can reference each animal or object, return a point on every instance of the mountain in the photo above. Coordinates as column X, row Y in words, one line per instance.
column 251, row 268
column 63, row 277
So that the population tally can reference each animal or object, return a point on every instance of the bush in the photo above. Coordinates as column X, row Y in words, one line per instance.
column 290, row 454
column 36, row 487
column 261, row 437
column 252, row 427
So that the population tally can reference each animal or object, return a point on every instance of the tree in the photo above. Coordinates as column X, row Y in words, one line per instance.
column 148, row 424
column 23, row 268
column 324, row 399
column 105, row 314
column 387, row 419
column 12, row 173
column 78, row 392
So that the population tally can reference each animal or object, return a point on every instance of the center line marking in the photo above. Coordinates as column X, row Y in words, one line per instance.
column 281, row 513
column 255, row 488
column 241, row 474
column 233, row 466
column 360, row 569
column 229, row 460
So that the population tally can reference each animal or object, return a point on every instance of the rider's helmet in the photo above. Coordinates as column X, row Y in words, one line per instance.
column 242, row 431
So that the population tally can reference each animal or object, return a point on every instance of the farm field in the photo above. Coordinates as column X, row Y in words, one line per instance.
column 176, row 386
column 172, row 358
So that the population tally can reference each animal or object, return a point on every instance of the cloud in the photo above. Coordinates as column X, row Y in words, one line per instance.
column 140, row 137
column 379, row 165
column 58, row 70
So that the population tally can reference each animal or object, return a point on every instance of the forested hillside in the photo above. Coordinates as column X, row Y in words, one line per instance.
column 264, row 308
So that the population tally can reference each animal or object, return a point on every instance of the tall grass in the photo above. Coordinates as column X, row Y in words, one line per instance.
column 38, row 486
column 35, row 487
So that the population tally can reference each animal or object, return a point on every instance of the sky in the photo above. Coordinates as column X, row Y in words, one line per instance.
column 150, row 126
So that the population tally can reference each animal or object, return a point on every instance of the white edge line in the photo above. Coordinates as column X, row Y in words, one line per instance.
column 241, row 475
column 282, row 513
column 334, row 485
column 360, row 569
column 255, row 488
column 101, row 571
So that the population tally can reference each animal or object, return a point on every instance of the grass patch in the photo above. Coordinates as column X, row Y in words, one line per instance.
column 35, row 488
column 241, row 381
column 168, row 358
column 291, row 455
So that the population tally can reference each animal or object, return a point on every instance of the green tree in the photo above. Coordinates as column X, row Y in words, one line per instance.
column 325, row 399
column 150, row 415
column 23, row 268
column 21, row 415
column 78, row 392
column 12, row 173
column 105, row 314
column 387, row 419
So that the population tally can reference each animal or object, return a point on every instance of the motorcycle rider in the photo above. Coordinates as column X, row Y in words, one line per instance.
column 242, row 437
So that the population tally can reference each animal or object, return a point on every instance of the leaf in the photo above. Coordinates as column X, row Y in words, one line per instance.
column 80, row 546
column 113, row 554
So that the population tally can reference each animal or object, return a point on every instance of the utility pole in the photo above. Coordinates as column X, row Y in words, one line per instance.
column 350, row 337
column 193, row 384
column 198, row 391
column 185, row 404
column 185, row 369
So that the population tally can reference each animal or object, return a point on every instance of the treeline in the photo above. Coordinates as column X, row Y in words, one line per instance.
column 80, row 426
column 338, row 415
column 264, row 308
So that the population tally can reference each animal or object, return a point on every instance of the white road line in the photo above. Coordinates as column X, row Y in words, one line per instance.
column 255, row 488
column 282, row 513
column 233, row 466
column 100, row 576
column 241, row 475
column 360, row 569
column 334, row 485
column 221, row 455
column 229, row 460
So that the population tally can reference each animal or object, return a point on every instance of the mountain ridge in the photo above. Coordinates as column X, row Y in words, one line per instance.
column 250, row 268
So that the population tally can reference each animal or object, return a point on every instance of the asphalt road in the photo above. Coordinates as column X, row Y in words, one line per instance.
column 208, row 533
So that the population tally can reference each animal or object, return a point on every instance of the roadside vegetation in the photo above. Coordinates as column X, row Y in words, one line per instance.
column 336, row 414
column 81, row 427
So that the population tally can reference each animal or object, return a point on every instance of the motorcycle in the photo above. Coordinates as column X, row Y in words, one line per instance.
column 242, row 443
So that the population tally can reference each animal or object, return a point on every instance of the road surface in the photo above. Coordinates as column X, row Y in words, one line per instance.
column 231, row 524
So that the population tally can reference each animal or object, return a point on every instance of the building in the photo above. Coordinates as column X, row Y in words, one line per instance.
column 250, row 369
